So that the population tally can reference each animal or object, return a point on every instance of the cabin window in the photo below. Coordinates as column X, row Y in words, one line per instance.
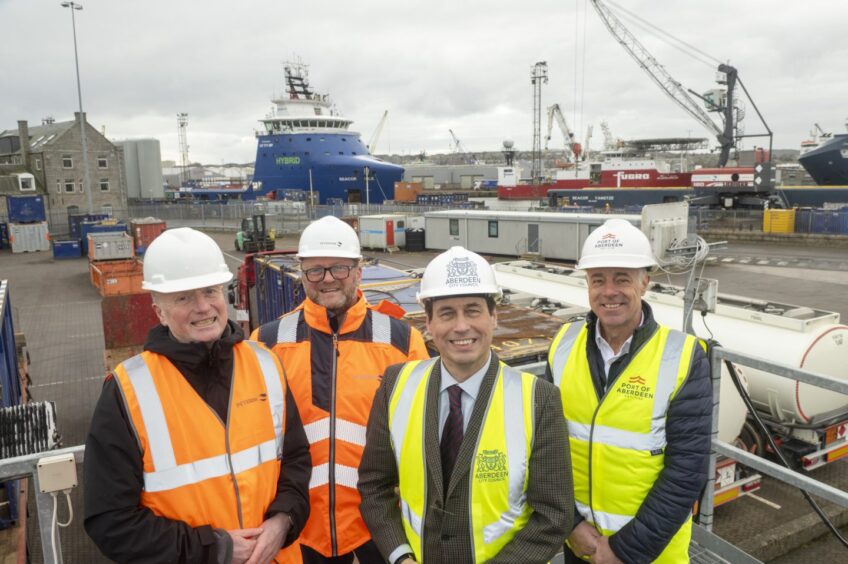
column 454, row 227
column 493, row 229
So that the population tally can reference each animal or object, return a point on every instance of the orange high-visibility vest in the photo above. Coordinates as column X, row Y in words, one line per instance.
column 333, row 381
column 196, row 469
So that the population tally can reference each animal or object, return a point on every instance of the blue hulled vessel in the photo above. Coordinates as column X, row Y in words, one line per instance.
column 826, row 158
column 305, row 144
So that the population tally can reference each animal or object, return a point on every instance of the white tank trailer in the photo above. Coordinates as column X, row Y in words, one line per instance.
column 797, row 336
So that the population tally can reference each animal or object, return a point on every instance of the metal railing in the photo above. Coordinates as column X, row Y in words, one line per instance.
column 26, row 467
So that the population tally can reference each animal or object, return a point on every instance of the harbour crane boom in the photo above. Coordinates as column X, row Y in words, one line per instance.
column 372, row 143
column 724, row 134
column 457, row 145
column 571, row 149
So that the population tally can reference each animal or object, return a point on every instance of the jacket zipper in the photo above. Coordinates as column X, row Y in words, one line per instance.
column 331, row 470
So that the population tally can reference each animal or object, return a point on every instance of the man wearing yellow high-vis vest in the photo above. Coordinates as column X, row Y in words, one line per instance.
column 465, row 458
column 637, row 399
column 196, row 452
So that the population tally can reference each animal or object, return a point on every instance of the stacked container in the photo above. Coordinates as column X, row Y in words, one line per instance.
column 27, row 227
column 113, row 268
column 779, row 221
column 144, row 231
column 99, row 226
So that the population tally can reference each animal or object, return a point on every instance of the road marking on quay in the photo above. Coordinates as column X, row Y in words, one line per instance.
column 771, row 504
column 62, row 382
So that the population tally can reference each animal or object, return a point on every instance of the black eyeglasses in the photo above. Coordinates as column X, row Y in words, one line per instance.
column 337, row 271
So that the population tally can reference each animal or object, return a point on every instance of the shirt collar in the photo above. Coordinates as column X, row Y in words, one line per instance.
column 625, row 348
column 471, row 386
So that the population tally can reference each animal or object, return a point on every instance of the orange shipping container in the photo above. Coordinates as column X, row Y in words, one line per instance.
column 117, row 277
column 144, row 231
column 408, row 191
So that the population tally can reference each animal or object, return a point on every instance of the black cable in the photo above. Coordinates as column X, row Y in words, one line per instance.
column 750, row 406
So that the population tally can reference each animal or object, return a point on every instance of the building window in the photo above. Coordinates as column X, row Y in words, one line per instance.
column 454, row 227
column 69, row 186
column 81, row 188
column 107, row 209
column 26, row 184
column 104, row 184
column 102, row 162
column 58, row 186
column 493, row 229
column 67, row 161
column 37, row 164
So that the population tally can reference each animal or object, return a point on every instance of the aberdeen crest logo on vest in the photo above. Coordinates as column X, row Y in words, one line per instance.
column 491, row 466
column 462, row 272
column 636, row 387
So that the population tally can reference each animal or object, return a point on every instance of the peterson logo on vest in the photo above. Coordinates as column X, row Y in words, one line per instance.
column 490, row 466
column 635, row 388
column 261, row 397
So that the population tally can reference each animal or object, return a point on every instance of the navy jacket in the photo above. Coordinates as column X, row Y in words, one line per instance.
column 688, row 430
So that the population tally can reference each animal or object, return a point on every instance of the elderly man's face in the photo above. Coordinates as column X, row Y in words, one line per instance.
column 193, row 316
column 615, row 296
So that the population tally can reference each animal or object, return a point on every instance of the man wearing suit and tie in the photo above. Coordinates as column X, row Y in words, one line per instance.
column 466, row 459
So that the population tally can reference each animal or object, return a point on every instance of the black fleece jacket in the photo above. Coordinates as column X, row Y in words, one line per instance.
column 126, row 532
column 688, row 430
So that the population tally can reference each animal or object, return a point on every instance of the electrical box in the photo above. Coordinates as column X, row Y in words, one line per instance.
column 57, row 473
column 706, row 295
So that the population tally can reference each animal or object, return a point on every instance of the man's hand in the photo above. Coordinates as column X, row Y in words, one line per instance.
column 270, row 539
column 604, row 554
column 583, row 540
column 243, row 543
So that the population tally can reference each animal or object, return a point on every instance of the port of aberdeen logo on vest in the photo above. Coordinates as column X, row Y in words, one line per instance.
column 636, row 387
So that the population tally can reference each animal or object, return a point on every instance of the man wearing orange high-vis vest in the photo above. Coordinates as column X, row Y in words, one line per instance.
column 335, row 346
column 637, row 399
column 196, row 452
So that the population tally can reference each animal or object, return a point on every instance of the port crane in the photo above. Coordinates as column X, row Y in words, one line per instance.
column 722, row 100
column 372, row 143
column 458, row 148
column 573, row 152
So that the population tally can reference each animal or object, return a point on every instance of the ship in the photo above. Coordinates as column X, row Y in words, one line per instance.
column 306, row 145
column 826, row 158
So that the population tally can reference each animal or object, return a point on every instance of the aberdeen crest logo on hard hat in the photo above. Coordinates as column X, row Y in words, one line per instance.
column 462, row 272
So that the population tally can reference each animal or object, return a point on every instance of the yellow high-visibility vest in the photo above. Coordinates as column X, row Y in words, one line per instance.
column 501, row 461
column 618, row 444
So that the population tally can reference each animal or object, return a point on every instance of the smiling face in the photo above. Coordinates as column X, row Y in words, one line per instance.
column 193, row 316
column 335, row 295
column 462, row 330
column 615, row 296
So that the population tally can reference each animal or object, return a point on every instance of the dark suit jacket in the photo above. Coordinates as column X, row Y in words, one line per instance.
column 446, row 531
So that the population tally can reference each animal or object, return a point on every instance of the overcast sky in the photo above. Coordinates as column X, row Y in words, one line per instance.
column 434, row 65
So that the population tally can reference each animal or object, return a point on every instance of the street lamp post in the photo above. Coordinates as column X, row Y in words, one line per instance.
column 86, row 182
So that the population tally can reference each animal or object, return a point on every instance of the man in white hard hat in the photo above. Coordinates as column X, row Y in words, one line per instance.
column 196, row 451
column 638, row 403
column 466, row 458
column 335, row 346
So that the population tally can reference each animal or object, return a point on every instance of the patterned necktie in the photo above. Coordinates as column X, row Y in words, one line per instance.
column 452, row 433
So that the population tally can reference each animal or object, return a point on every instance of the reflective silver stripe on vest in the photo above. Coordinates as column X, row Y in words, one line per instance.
column 158, row 437
column 167, row 474
column 563, row 350
column 346, row 476
column 287, row 329
column 347, row 431
column 411, row 517
column 607, row 521
column 618, row 438
column 399, row 424
column 516, row 453
column 666, row 382
column 274, row 389
column 381, row 327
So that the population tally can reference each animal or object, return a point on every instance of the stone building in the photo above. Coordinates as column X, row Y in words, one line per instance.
column 53, row 155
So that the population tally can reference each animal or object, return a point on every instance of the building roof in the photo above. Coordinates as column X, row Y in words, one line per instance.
column 42, row 135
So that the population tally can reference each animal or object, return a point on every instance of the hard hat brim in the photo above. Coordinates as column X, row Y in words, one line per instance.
column 617, row 261
column 184, row 284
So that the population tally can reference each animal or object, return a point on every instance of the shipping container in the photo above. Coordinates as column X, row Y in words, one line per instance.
column 116, row 277
column 75, row 221
column 67, row 249
column 826, row 222
column 29, row 237
column 414, row 240
column 382, row 231
column 26, row 209
column 144, row 231
column 109, row 246
column 102, row 226
column 10, row 380
column 408, row 191
column 127, row 319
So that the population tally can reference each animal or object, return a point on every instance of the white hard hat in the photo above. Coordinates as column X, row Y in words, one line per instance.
column 329, row 237
column 184, row 259
column 616, row 244
column 458, row 272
